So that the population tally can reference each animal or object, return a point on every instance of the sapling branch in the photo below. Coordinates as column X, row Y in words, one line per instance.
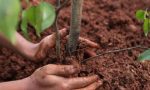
column 58, row 3
column 115, row 51
column 59, row 6
column 76, row 15
column 56, row 30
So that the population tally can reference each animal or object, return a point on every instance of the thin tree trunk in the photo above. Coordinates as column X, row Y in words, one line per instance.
column 75, row 25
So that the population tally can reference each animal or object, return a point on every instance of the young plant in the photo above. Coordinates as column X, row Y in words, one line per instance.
column 76, row 16
column 9, row 13
column 145, row 17
column 40, row 17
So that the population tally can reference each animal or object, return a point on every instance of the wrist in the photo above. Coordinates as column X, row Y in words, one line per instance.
column 27, row 84
column 26, row 48
column 22, row 84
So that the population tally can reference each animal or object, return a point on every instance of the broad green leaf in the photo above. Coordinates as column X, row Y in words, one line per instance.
column 9, row 14
column 140, row 14
column 144, row 56
column 40, row 17
column 31, row 15
column 48, row 15
column 24, row 24
column 146, row 26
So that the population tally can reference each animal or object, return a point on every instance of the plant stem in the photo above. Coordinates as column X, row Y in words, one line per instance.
column 115, row 51
column 59, row 6
column 58, row 3
column 75, row 25
column 57, row 33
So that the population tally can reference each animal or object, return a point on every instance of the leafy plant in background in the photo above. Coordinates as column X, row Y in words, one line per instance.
column 144, row 15
column 9, row 15
column 40, row 17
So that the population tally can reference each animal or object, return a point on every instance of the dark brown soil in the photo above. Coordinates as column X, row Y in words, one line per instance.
column 110, row 23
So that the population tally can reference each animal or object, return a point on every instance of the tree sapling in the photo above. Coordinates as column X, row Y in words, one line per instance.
column 76, row 16
column 144, row 15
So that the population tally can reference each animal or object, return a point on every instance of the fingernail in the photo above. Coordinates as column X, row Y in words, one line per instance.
column 99, row 81
column 95, row 77
column 64, row 29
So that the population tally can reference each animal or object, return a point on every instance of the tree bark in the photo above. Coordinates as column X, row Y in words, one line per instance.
column 76, row 16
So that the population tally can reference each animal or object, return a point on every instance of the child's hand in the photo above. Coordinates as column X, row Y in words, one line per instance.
column 40, row 50
column 46, row 44
column 55, row 77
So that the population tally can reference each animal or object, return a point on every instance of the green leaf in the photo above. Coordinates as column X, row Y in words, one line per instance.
column 146, row 26
column 140, row 14
column 24, row 24
column 144, row 56
column 9, row 13
column 40, row 17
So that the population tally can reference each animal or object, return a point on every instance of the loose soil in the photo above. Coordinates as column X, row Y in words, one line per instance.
column 110, row 23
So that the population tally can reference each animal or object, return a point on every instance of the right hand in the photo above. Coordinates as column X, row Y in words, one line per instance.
column 54, row 77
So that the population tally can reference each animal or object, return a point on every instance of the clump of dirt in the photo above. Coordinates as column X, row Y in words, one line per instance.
column 110, row 23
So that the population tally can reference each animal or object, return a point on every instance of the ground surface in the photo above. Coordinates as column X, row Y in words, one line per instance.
column 110, row 23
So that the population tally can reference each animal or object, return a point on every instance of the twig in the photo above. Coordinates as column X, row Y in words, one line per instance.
column 59, row 7
column 115, row 51
column 57, row 32
column 58, row 3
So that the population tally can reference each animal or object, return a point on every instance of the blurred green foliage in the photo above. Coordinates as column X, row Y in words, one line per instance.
column 40, row 17
column 144, row 15
column 9, row 15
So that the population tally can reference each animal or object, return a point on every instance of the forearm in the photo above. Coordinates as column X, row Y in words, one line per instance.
column 15, row 85
column 25, row 47
column 22, row 46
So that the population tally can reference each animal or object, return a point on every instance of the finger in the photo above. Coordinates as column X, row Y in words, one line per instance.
column 89, row 43
column 52, row 38
column 53, row 80
column 59, row 70
column 81, row 82
column 62, row 32
column 90, row 53
column 93, row 86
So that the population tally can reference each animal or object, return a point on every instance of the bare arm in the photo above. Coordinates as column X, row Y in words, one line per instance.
column 29, row 49
column 53, row 77
column 21, row 46
column 15, row 85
